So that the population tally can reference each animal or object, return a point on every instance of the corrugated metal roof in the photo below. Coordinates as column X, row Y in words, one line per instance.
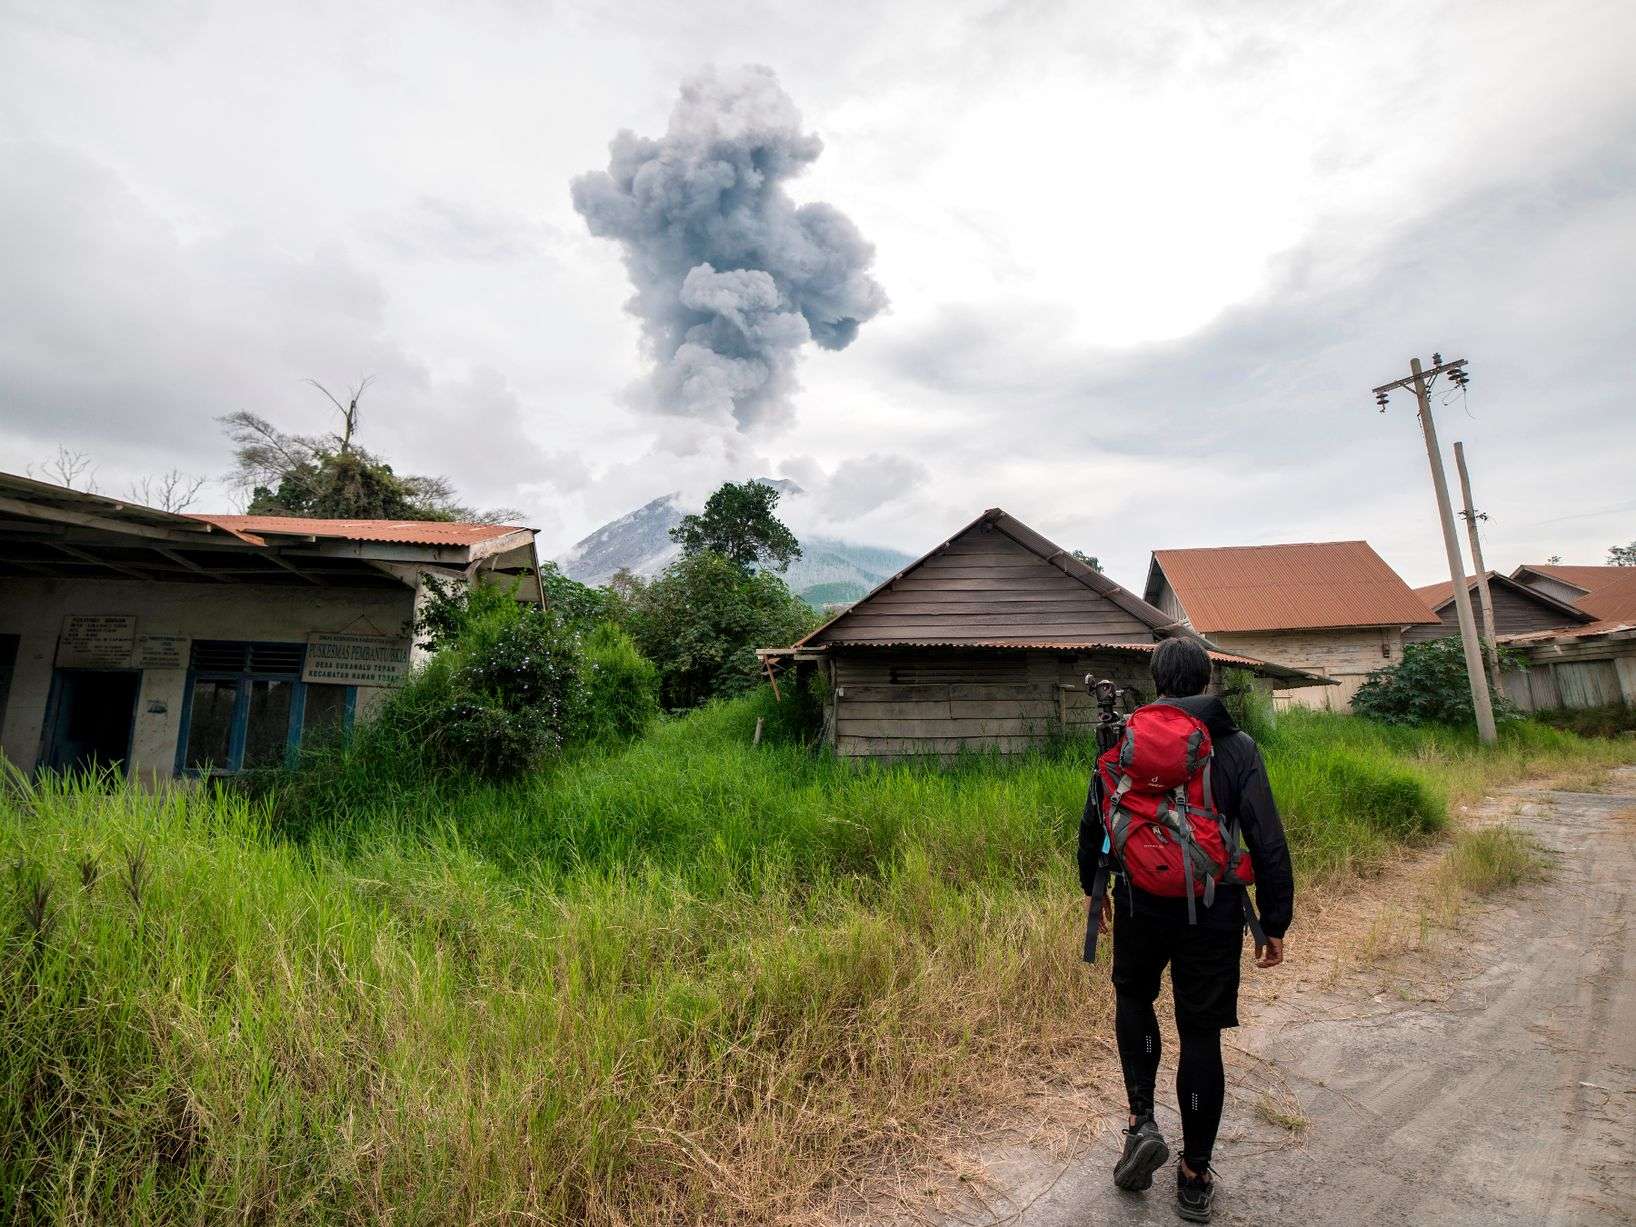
column 1438, row 595
column 1053, row 645
column 1610, row 592
column 1270, row 668
column 400, row 532
column 1435, row 594
column 1309, row 585
column 1604, row 626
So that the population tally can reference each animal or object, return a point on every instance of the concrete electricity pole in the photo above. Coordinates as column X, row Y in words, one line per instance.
column 1484, row 598
column 1421, row 382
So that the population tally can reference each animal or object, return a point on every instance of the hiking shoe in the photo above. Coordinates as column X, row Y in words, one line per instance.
column 1145, row 1153
column 1195, row 1196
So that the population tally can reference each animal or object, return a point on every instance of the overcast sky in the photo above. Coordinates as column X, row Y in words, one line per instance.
column 1144, row 260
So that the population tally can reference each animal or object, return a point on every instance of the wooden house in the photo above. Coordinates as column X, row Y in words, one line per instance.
column 1583, row 664
column 1518, row 609
column 1332, row 607
column 985, row 643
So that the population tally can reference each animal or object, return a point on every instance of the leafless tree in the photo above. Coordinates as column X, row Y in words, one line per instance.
column 349, row 410
column 76, row 470
column 172, row 491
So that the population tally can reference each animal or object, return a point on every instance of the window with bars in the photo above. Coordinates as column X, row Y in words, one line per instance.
column 246, row 706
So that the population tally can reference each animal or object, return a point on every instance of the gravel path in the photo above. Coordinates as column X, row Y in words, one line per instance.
column 1493, row 1083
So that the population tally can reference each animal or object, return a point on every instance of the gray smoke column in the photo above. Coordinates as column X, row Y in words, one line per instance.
column 731, row 277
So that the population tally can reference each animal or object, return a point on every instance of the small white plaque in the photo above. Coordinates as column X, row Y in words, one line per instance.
column 96, row 641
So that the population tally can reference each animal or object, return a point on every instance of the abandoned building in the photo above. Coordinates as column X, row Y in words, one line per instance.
column 1588, row 664
column 1331, row 607
column 984, row 644
column 1518, row 609
column 166, row 644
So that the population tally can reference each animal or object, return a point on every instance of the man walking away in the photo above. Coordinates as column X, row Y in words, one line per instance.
column 1197, row 929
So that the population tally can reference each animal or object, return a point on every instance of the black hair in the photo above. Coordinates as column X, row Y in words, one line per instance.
column 1180, row 668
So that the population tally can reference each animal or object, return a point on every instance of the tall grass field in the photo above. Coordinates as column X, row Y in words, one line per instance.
column 690, row 980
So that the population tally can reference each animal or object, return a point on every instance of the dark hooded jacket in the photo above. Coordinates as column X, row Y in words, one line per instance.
column 1245, row 797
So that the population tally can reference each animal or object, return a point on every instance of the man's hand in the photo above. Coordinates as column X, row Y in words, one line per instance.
column 1271, row 954
column 1104, row 923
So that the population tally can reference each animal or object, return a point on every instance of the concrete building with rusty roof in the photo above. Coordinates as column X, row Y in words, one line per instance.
column 984, row 643
column 159, row 643
column 1334, row 608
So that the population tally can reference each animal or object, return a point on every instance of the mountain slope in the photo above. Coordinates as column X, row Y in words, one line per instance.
column 829, row 572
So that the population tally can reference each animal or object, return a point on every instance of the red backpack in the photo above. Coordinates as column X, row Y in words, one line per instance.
column 1159, row 813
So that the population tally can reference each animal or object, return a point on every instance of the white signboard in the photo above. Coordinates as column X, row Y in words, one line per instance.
column 96, row 641
column 161, row 652
column 356, row 660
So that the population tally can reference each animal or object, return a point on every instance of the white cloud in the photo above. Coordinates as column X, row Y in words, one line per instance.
column 1138, row 255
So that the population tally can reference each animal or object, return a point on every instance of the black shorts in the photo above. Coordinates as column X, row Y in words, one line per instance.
column 1204, row 963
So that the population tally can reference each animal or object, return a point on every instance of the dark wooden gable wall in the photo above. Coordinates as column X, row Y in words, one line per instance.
column 985, row 587
column 1515, row 613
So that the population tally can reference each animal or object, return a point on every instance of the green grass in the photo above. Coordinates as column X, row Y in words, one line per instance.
column 684, row 981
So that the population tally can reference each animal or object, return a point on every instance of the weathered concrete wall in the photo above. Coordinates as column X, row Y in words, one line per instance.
column 34, row 610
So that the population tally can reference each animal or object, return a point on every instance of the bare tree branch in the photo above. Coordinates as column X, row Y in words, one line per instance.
column 173, row 491
column 76, row 470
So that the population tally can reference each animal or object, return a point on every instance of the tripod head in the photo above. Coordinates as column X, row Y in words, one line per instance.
column 1108, row 696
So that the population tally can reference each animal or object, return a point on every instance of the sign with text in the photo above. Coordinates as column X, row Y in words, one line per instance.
column 356, row 660
column 161, row 652
column 96, row 641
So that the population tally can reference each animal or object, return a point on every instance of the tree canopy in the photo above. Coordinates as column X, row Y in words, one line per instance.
column 702, row 620
column 739, row 524
column 1622, row 555
column 331, row 477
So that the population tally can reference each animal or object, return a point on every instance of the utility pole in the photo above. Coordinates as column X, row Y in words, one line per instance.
column 1484, row 597
column 1420, row 381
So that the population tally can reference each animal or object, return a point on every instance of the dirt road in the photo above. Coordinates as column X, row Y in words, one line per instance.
column 1493, row 1082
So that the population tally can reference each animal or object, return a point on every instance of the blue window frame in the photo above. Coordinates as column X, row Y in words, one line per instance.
column 245, row 707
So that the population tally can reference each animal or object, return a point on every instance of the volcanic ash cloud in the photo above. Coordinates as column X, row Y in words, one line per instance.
column 731, row 277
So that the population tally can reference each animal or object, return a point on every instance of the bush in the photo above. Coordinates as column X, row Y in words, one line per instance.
column 1428, row 686
column 621, row 688
column 499, row 699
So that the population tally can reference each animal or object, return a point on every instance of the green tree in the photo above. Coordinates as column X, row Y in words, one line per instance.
column 739, row 524
column 1622, row 555
column 702, row 620
column 1090, row 560
column 331, row 477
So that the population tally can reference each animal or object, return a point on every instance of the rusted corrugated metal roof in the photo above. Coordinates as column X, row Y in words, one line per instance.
column 1610, row 592
column 1266, row 667
column 1604, row 626
column 400, row 532
column 1310, row 585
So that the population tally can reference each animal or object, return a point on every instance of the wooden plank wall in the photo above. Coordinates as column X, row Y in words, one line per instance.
column 1005, row 701
column 1514, row 614
column 984, row 586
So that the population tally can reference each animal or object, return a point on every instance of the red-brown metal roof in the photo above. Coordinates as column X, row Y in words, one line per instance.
column 1610, row 592
column 1309, row 585
column 401, row 532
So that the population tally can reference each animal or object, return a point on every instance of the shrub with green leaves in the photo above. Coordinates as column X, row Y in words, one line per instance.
column 621, row 688
column 1428, row 686
column 501, row 698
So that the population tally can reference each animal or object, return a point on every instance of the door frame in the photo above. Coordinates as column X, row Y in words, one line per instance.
column 53, row 714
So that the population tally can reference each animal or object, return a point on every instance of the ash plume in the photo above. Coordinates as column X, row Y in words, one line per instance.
column 731, row 277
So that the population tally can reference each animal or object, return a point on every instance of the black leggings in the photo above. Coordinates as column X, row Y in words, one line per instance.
column 1201, row 1083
